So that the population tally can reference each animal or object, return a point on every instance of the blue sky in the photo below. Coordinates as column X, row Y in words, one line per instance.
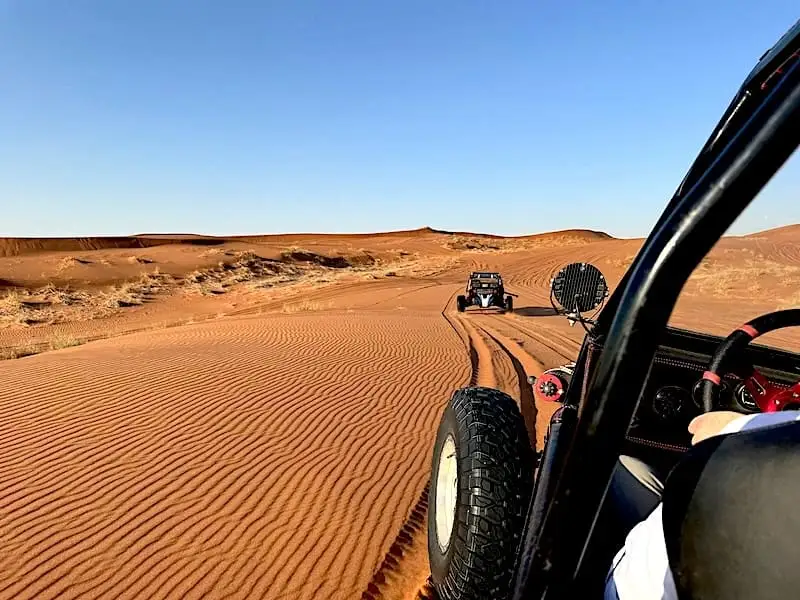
column 250, row 116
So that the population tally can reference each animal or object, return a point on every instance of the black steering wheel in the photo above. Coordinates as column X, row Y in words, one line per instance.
column 728, row 359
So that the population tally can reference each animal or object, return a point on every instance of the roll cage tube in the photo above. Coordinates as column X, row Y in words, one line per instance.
column 734, row 117
column 552, row 568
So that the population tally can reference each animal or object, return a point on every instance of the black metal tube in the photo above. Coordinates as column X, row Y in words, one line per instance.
column 559, row 435
column 730, row 122
column 746, row 164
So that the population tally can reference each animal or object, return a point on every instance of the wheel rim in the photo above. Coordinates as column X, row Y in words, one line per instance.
column 446, row 493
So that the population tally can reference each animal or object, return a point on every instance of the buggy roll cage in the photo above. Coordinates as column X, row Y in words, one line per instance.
column 755, row 136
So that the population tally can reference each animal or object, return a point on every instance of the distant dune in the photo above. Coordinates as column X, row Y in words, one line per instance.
column 18, row 246
column 253, row 416
column 785, row 233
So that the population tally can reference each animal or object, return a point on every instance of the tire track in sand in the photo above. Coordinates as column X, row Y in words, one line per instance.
column 523, row 365
column 483, row 370
column 404, row 573
column 496, row 361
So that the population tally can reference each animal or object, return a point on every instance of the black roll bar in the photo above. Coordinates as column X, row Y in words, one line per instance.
column 741, row 169
column 732, row 120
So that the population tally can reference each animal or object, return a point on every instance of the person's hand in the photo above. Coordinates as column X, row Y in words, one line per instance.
column 709, row 424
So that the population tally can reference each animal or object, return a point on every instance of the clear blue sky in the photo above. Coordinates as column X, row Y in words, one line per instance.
column 246, row 116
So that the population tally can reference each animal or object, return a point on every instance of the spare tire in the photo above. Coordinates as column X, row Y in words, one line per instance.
column 481, row 482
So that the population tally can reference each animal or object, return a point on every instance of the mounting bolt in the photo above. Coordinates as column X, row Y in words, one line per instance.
column 548, row 388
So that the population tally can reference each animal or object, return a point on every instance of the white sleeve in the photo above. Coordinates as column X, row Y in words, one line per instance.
column 759, row 420
column 641, row 569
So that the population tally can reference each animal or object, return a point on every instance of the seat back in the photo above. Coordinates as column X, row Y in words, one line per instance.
column 731, row 513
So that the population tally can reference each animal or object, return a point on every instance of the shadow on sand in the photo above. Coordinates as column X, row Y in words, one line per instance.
column 535, row 311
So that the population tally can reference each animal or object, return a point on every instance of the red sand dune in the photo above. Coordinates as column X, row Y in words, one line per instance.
column 281, row 447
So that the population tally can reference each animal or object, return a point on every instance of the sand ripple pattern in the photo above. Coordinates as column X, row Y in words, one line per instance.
column 268, row 457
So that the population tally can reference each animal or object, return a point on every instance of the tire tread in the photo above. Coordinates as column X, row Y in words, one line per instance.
column 495, row 480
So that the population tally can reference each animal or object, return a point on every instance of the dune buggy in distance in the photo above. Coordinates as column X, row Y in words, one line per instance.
column 507, row 523
column 485, row 289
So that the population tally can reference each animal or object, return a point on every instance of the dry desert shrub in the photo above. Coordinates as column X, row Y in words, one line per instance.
column 58, row 342
column 11, row 302
column 792, row 301
column 137, row 292
column 622, row 263
column 12, row 309
column 715, row 278
column 123, row 296
column 213, row 252
column 29, row 348
column 133, row 293
column 19, row 308
column 306, row 306
column 246, row 267
column 473, row 244
column 20, row 351
column 72, row 261
column 65, row 296
column 141, row 260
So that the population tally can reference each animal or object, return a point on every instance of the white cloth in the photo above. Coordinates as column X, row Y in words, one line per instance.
column 640, row 570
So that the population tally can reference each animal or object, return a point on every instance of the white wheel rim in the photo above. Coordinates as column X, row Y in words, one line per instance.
column 446, row 493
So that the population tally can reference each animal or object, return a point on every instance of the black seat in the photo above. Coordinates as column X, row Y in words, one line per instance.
column 732, row 517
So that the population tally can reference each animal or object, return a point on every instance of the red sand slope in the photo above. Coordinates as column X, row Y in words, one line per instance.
column 282, row 451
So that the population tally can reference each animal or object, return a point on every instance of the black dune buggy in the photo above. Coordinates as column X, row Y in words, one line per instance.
column 486, row 290
column 507, row 522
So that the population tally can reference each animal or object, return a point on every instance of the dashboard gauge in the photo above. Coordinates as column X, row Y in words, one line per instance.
column 745, row 398
column 669, row 402
column 697, row 394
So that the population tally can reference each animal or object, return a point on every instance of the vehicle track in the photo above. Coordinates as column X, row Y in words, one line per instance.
column 547, row 345
column 404, row 573
column 523, row 366
column 497, row 361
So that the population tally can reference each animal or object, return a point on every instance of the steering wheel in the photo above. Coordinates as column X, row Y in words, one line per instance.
column 728, row 359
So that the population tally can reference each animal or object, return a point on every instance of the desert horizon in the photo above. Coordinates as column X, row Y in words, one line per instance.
column 407, row 389
column 193, row 415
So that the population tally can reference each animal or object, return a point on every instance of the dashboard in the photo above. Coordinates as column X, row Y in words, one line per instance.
column 670, row 399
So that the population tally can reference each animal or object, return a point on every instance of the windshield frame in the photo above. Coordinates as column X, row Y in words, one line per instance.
column 745, row 158
column 745, row 102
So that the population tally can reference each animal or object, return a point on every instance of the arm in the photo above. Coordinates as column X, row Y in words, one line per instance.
column 641, row 568
column 724, row 421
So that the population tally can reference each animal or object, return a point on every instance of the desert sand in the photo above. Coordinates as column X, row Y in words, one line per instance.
column 187, row 416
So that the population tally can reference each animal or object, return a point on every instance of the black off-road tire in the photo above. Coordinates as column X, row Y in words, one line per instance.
column 495, row 466
column 509, row 305
column 461, row 303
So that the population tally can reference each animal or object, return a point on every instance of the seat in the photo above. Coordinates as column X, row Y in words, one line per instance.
column 731, row 516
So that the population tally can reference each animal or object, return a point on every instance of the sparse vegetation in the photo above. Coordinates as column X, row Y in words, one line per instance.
column 499, row 245
column 792, row 301
column 140, row 260
column 20, row 308
column 29, row 348
column 306, row 306
column 72, row 261
column 61, row 302
column 751, row 276
column 11, row 302
column 62, row 341
column 18, row 351
column 247, row 267
column 471, row 243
